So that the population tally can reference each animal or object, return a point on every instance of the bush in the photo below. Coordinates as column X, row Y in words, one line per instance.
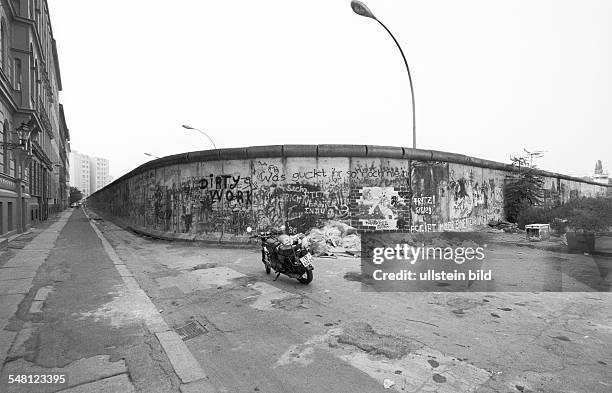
column 585, row 214
column 534, row 215
column 590, row 214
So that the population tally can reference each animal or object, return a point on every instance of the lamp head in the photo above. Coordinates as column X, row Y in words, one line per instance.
column 361, row 9
column 23, row 132
column 187, row 127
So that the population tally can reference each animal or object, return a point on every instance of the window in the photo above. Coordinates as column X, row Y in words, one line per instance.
column 10, row 216
column 3, row 45
column 35, row 79
column 3, row 138
column 18, row 74
column 6, row 156
column 32, row 75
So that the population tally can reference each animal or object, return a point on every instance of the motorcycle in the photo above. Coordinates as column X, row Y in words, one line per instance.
column 289, row 257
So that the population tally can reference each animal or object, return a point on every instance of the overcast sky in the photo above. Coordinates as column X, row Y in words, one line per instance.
column 490, row 77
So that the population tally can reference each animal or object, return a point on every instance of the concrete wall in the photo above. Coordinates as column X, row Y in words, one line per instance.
column 217, row 194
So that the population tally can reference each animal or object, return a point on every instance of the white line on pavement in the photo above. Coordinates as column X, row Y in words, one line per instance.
column 184, row 363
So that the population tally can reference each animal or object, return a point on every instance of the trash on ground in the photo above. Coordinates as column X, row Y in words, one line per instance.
column 387, row 383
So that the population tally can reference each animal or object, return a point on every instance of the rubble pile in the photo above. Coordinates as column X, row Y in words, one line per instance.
column 333, row 238
column 504, row 226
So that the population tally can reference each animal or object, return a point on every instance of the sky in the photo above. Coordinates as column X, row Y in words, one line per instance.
column 491, row 77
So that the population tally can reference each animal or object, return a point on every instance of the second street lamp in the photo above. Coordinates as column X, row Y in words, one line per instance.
column 361, row 9
column 200, row 131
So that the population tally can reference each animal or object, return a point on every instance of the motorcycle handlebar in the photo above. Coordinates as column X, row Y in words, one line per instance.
column 299, row 236
column 263, row 234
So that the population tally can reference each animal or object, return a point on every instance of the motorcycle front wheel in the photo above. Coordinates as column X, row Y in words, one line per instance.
column 307, row 278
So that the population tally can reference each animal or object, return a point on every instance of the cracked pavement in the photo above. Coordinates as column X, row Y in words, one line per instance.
column 281, row 336
column 64, row 323
column 273, row 336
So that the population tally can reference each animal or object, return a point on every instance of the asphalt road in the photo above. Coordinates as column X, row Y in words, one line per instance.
column 331, row 336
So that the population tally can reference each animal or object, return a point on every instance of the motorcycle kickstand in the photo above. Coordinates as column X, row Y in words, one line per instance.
column 276, row 278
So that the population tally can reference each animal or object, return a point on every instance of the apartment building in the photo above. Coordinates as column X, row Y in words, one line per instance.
column 34, row 138
column 88, row 174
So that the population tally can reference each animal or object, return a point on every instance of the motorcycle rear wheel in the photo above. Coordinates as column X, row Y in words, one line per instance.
column 306, row 279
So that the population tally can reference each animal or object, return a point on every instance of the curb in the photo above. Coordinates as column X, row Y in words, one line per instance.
column 184, row 238
column 179, row 237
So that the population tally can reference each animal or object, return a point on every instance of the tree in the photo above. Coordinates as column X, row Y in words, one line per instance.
column 524, row 188
column 75, row 195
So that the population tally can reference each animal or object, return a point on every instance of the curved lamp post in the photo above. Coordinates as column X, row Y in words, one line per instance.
column 202, row 132
column 361, row 9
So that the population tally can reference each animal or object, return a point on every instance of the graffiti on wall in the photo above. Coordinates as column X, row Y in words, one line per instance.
column 309, row 204
column 215, row 203
column 382, row 175
column 369, row 193
column 227, row 190
column 450, row 197
column 301, row 198
column 377, row 207
column 551, row 195
column 474, row 197
column 428, row 183
column 424, row 205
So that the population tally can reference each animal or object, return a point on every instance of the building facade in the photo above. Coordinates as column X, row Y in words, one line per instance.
column 33, row 169
column 599, row 175
column 99, row 173
column 88, row 174
column 79, row 172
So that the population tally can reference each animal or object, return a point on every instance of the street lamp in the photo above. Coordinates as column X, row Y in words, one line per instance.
column 361, row 9
column 202, row 132
column 150, row 155
column 22, row 153
column 23, row 134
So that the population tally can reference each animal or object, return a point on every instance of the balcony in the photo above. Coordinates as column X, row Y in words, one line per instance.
column 7, row 182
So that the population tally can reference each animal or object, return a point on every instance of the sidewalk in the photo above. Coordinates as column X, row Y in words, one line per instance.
column 69, row 306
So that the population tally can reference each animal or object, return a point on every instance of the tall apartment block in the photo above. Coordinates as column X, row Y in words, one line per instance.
column 79, row 175
column 89, row 174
